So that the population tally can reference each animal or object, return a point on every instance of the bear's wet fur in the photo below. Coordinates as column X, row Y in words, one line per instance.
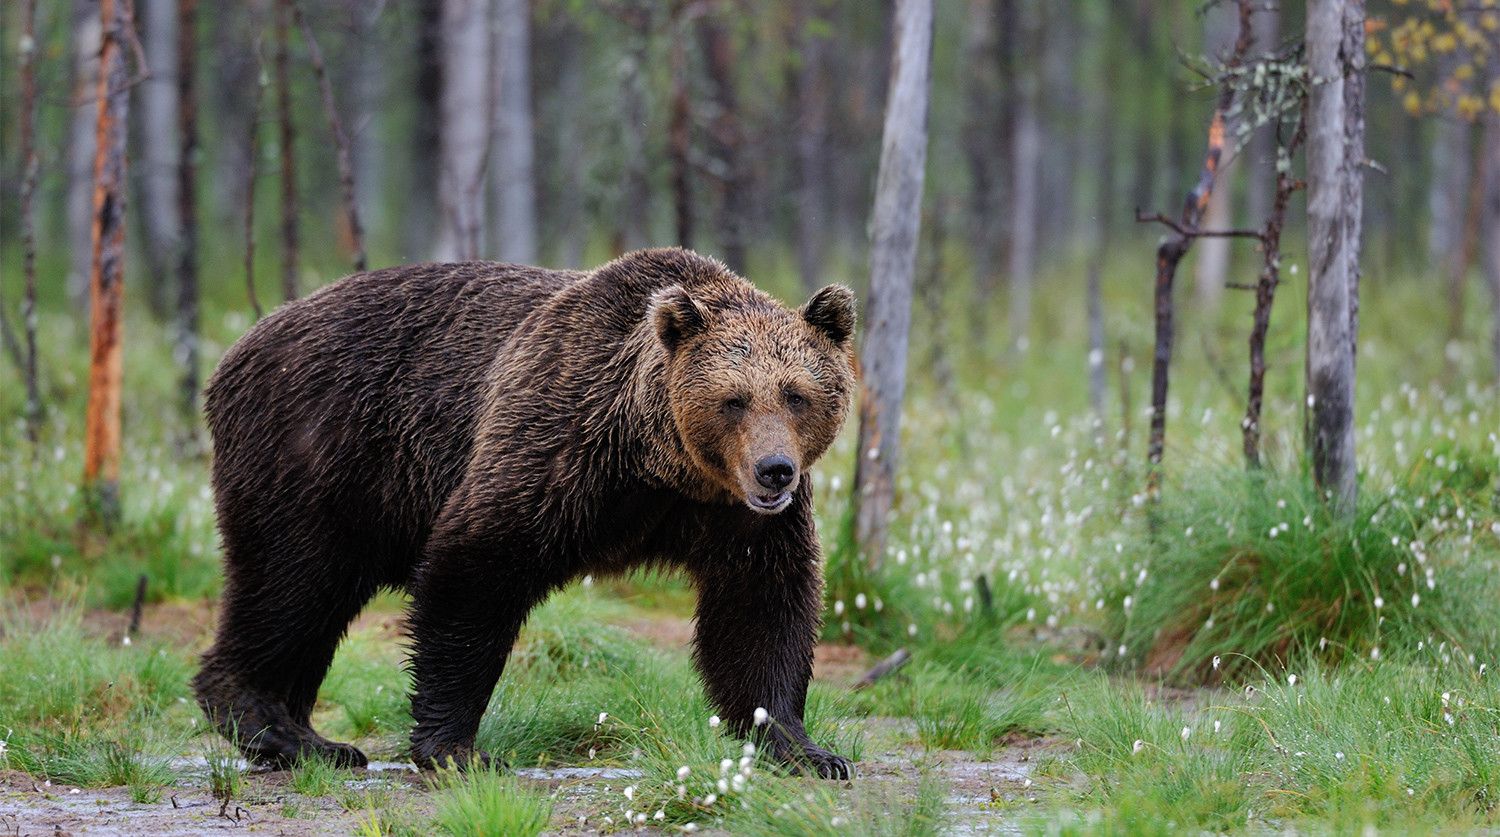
column 481, row 434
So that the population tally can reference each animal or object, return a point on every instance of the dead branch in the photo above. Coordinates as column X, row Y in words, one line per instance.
column 137, row 607
column 1171, row 251
column 1193, row 232
column 340, row 137
column 1265, row 291
column 253, row 149
column 881, row 669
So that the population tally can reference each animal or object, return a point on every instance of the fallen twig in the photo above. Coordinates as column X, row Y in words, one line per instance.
column 881, row 669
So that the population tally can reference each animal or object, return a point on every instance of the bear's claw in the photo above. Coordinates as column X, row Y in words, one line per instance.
column 814, row 759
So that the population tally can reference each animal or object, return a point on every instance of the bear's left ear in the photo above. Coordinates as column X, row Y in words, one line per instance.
column 831, row 311
column 675, row 316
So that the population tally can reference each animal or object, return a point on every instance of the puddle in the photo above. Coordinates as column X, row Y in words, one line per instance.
column 557, row 774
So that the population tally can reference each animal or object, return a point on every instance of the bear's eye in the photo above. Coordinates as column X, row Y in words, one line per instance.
column 735, row 405
column 795, row 400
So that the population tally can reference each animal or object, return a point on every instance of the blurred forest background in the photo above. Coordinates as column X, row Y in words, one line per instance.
column 577, row 130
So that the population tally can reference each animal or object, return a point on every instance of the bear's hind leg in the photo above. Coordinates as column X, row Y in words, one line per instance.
column 277, row 631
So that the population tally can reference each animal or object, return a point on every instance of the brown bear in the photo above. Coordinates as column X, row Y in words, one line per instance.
column 481, row 434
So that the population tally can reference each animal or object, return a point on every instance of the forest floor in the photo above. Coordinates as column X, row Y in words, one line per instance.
column 366, row 801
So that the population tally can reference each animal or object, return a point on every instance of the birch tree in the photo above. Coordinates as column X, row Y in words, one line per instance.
column 29, row 167
column 82, row 130
column 812, row 141
column 159, row 148
column 1334, row 158
column 513, row 153
column 464, row 125
column 894, row 232
column 1025, row 176
column 1490, row 216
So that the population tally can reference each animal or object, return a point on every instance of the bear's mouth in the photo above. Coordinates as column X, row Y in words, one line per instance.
column 770, row 503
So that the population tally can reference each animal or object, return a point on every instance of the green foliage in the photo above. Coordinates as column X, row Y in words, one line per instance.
column 78, row 710
column 486, row 803
column 1252, row 571
column 317, row 777
column 1398, row 747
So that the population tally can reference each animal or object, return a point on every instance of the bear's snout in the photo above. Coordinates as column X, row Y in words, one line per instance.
column 775, row 472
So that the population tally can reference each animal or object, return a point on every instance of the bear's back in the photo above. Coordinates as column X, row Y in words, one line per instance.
column 356, row 404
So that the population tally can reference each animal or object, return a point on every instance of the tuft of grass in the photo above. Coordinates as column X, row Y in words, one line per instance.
column 226, row 779
column 486, row 803
column 1254, row 571
column 313, row 776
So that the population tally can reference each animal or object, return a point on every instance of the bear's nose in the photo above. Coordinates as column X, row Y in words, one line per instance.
column 775, row 472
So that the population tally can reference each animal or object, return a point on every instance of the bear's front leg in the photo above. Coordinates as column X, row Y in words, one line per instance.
column 469, row 599
column 759, row 611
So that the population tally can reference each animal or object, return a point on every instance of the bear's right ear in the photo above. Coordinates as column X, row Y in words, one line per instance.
column 675, row 316
column 831, row 311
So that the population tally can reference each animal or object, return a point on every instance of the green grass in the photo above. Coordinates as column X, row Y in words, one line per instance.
column 1396, row 746
column 78, row 710
column 1253, row 571
column 486, row 803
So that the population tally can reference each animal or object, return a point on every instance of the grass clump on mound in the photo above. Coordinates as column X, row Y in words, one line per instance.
column 1254, row 570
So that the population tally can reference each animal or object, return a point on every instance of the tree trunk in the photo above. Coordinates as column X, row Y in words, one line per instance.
column 727, row 138
column 342, row 154
column 982, row 132
column 1095, row 305
column 101, row 456
column 365, row 129
column 634, row 210
column 812, row 142
column 680, row 132
column 1490, row 218
column 1447, row 208
column 465, row 129
column 1212, row 258
column 894, row 231
column 159, row 150
column 290, row 229
column 233, row 75
column 424, row 205
column 1025, row 178
column 1260, row 151
column 514, row 171
column 1332, row 284
column 1212, row 262
column 1170, row 253
column 187, row 196
column 571, row 155
column 29, row 168
column 82, row 132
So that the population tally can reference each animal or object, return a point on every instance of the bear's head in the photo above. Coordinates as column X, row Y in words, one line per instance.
column 757, row 391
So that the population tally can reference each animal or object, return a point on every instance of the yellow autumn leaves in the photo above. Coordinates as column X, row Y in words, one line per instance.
column 1440, row 50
